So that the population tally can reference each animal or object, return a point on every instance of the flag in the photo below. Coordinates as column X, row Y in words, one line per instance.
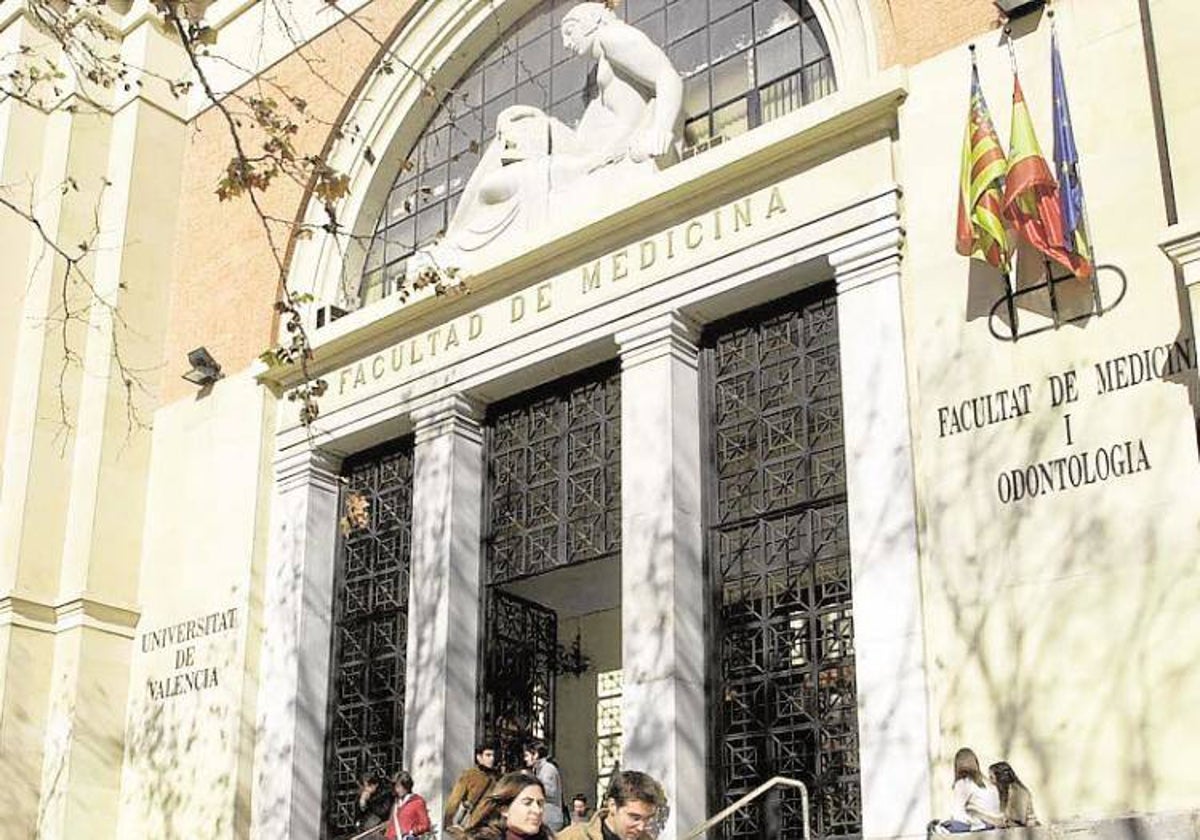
column 1066, row 163
column 1031, row 199
column 981, row 232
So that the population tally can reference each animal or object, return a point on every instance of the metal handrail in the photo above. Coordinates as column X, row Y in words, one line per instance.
column 775, row 781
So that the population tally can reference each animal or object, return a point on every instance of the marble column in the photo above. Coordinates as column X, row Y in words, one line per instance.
column 893, row 718
column 294, row 669
column 662, row 577
column 443, row 604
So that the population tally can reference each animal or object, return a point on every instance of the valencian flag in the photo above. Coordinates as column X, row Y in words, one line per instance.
column 981, row 232
column 1031, row 199
column 1066, row 163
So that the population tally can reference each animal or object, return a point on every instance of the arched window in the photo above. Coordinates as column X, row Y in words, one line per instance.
column 743, row 63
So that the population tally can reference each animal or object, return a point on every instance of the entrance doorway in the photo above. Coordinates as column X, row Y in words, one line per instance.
column 778, row 553
column 552, row 621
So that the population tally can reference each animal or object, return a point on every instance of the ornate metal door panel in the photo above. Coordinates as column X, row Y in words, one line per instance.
column 518, row 688
column 370, row 612
column 779, row 560
column 554, row 477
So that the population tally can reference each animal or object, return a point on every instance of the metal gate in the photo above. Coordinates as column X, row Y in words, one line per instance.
column 778, row 555
column 365, row 731
column 553, row 499
column 518, row 688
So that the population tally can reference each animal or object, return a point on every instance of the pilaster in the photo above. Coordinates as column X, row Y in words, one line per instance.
column 1182, row 247
column 294, row 665
column 662, row 578
column 893, row 721
column 443, row 603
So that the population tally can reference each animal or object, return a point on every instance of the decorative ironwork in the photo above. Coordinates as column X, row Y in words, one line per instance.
column 1056, row 299
column 609, row 691
column 554, row 478
column 518, row 689
column 779, row 555
column 370, row 624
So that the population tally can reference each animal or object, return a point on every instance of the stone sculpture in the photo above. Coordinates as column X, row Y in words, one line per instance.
column 535, row 161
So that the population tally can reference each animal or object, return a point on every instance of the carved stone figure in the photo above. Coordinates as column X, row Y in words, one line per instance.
column 535, row 159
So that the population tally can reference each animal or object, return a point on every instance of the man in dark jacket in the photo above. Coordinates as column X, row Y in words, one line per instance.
column 635, row 802
column 471, row 788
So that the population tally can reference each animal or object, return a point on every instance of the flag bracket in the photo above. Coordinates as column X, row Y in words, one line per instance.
column 1052, row 297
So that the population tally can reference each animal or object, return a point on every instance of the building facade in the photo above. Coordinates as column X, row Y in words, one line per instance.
column 725, row 466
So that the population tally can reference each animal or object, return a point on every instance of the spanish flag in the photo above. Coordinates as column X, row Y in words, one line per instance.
column 981, row 233
column 1031, row 200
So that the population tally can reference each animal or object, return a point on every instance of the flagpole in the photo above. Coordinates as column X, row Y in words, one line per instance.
column 1096, row 300
column 1010, row 279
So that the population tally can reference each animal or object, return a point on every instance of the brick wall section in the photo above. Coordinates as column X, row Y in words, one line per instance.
column 910, row 31
column 225, row 277
column 225, row 274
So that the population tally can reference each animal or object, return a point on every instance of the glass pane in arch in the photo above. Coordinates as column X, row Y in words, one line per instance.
column 743, row 63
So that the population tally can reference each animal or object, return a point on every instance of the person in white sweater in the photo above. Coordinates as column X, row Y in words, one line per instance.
column 976, row 803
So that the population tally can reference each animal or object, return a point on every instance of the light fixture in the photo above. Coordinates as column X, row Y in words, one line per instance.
column 1013, row 9
column 571, row 661
column 205, row 370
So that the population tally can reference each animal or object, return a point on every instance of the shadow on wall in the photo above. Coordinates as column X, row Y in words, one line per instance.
column 1055, row 607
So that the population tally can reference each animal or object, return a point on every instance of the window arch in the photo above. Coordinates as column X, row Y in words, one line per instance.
column 744, row 62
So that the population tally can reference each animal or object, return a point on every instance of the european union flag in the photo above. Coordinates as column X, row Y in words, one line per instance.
column 1066, row 163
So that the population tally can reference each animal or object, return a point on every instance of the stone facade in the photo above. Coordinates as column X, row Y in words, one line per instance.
column 1024, row 581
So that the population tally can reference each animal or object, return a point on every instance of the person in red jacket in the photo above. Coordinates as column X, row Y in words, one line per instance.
column 409, row 817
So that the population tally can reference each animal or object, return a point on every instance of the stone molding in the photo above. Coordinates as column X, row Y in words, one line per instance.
column 672, row 334
column 1181, row 244
column 307, row 468
column 456, row 414
column 875, row 257
column 83, row 611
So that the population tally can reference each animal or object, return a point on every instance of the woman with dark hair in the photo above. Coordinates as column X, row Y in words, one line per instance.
column 513, row 810
column 374, row 803
column 409, row 817
column 1016, row 802
column 976, row 804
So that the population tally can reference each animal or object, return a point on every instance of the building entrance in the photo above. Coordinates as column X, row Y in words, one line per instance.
column 550, row 651
column 778, row 552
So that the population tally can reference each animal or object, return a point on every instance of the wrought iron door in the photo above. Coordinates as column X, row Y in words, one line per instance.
column 779, row 559
column 554, row 477
column 520, row 644
column 370, row 623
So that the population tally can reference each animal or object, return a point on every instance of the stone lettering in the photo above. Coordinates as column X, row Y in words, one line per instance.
column 620, row 265
column 1063, row 389
column 517, row 311
column 977, row 412
column 649, row 252
column 474, row 326
column 1072, row 471
column 775, row 205
column 741, row 215
column 591, row 278
column 543, row 297
column 690, row 240
column 1146, row 365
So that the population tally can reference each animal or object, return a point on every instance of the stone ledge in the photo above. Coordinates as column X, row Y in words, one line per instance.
column 1171, row 825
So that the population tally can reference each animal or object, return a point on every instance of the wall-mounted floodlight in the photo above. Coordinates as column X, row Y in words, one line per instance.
column 1017, row 8
column 205, row 370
